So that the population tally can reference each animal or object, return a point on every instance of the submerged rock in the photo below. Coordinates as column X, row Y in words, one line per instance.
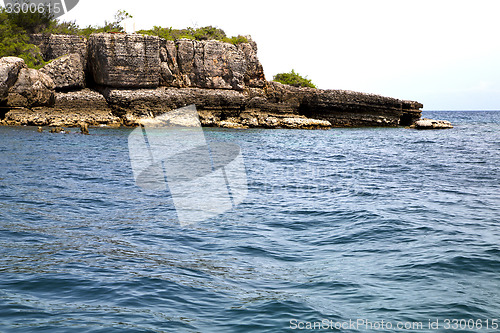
column 57, row 130
column 84, row 128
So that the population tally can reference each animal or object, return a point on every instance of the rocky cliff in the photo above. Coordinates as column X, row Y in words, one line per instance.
column 135, row 77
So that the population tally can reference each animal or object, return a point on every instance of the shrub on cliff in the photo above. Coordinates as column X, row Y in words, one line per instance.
column 14, row 40
column 293, row 79
column 204, row 33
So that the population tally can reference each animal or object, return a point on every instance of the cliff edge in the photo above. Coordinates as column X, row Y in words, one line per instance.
column 122, row 79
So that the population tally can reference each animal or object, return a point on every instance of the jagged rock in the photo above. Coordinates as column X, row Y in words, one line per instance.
column 254, row 75
column 67, row 72
column 9, row 70
column 125, row 61
column 32, row 88
column 169, row 68
column 55, row 46
column 425, row 123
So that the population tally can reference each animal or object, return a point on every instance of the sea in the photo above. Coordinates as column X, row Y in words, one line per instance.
column 343, row 230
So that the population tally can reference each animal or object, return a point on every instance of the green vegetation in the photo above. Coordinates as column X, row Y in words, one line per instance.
column 14, row 40
column 204, row 33
column 15, row 29
column 293, row 79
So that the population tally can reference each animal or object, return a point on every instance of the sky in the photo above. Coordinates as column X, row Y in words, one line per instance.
column 444, row 54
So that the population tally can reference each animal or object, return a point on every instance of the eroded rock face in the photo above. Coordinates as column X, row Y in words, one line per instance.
column 67, row 72
column 55, row 46
column 9, row 70
column 124, row 60
column 210, row 64
column 70, row 110
column 32, row 88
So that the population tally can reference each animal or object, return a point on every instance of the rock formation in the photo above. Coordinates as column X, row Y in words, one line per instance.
column 9, row 70
column 32, row 88
column 135, row 78
column 125, row 61
column 210, row 64
column 67, row 72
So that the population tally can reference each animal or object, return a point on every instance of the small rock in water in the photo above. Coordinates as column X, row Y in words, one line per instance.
column 57, row 130
column 84, row 128
column 40, row 129
column 425, row 123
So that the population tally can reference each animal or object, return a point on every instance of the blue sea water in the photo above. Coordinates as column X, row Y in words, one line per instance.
column 370, row 225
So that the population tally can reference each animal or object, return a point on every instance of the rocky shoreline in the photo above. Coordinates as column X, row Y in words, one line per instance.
column 123, row 80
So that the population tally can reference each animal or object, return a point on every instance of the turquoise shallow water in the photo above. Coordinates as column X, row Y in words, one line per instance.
column 347, row 224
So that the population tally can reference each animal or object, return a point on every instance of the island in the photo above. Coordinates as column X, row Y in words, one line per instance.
column 120, row 79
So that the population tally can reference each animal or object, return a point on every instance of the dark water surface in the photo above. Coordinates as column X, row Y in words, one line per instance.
column 365, row 224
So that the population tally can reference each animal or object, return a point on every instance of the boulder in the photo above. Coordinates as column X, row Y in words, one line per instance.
column 67, row 72
column 32, row 88
column 125, row 60
column 425, row 123
column 9, row 70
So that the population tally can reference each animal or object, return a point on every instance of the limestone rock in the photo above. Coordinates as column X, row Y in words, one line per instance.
column 254, row 75
column 304, row 123
column 32, row 88
column 169, row 67
column 67, row 72
column 55, row 46
column 214, row 65
column 70, row 110
column 9, row 70
column 425, row 123
column 124, row 60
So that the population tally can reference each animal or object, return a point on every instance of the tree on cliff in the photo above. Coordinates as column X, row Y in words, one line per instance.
column 14, row 39
column 293, row 79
